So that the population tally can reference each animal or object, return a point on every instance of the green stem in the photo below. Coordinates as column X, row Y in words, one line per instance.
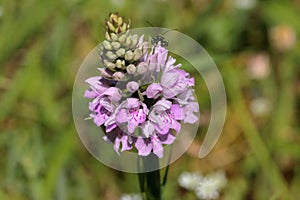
column 151, row 179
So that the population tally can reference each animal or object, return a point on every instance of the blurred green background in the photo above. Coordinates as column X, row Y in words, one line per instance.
column 254, row 43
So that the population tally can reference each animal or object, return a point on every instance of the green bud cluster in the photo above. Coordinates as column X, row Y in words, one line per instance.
column 119, row 53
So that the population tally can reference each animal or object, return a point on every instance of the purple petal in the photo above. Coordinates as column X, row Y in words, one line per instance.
column 125, row 144
column 176, row 126
column 133, row 103
column 122, row 116
column 191, row 118
column 177, row 112
column 147, row 128
column 110, row 127
column 153, row 90
column 141, row 117
column 99, row 119
column 189, row 111
column 131, row 126
column 167, row 138
column 96, row 84
column 132, row 86
column 113, row 93
column 90, row 94
column 162, row 105
column 157, row 148
column 144, row 148
column 117, row 145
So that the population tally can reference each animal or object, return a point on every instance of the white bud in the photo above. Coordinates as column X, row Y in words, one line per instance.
column 111, row 66
column 128, row 41
column 142, row 68
column 107, row 36
column 122, row 38
column 120, row 21
column 137, row 54
column 128, row 55
column 111, row 55
column 118, row 75
column 120, row 52
column 106, row 45
column 116, row 45
column 125, row 26
column 134, row 40
column 114, row 37
column 120, row 64
column 131, row 69
column 132, row 86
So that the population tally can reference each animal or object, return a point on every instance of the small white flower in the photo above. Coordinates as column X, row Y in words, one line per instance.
column 220, row 178
column 244, row 4
column 131, row 197
column 189, row 180
column 207, row 189
column 260, row 106
column 258, row 66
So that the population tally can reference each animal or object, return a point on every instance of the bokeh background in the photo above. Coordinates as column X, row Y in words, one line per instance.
column 254, row 43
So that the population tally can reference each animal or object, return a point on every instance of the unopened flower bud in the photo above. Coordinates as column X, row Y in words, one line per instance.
column 137, row 54
column 122, row 38
column 128, row 41
column 107, row 45
column 116, row 45
column 114, row 18
column 105, row 73
column 120, row 21
column 120, row 63
column 106, row 62
column 128, row 55
column 142, row 68
column 110, row 26
column 107, row 36
column 118, row 75
column 120, row 52
column 134, row 40
column 111, row 55
column 114, row 37
column 131, row 69
column 124, row 27
column 132, row 86
column 111, row 66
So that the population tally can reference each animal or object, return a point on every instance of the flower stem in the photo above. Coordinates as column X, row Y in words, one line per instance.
column 151, row 179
